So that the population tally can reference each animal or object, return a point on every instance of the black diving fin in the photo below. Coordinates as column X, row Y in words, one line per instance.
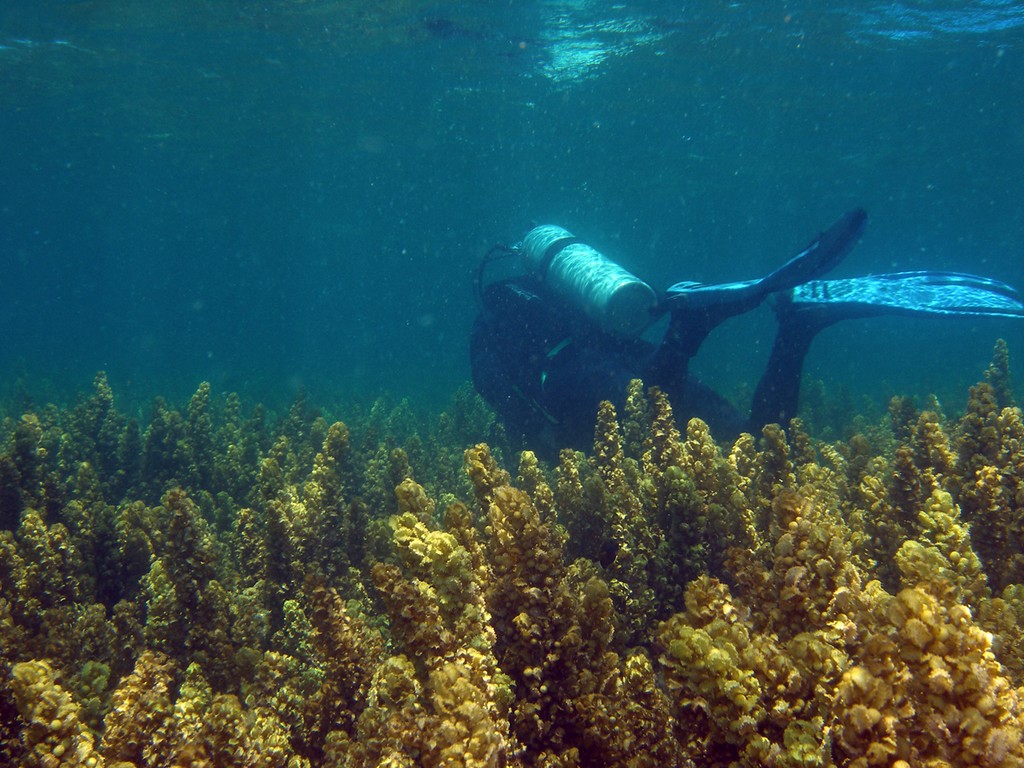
column 821, row 256
column 728, row 299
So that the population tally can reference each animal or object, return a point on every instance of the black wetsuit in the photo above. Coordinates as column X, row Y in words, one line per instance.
column 544, row 366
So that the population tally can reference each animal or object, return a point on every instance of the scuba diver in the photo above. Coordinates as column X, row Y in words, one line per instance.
column 565, row 331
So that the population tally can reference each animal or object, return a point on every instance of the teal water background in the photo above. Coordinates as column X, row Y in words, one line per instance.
column 282, row 195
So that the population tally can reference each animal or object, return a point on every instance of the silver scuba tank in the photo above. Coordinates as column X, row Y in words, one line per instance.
column 615, row 299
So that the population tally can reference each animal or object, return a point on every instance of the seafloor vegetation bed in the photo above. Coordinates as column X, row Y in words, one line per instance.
column 213, row 589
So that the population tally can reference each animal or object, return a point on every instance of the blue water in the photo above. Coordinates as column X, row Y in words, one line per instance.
column 284, row 194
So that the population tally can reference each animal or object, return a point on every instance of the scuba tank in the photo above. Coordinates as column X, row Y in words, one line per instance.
column 618, row 301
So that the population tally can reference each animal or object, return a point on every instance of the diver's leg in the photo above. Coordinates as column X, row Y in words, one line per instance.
column 778, row 392
column 670, row 363
column 802, row 313
column 807, row 309
column 697, row 309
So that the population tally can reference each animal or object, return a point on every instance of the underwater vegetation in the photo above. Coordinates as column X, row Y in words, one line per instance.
column 210, row 588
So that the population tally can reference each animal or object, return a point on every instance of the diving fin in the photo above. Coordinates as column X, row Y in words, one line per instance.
column 821, row 256
column 813, row 306
column 698, row 308
column 728, row 299
column 903, row 293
